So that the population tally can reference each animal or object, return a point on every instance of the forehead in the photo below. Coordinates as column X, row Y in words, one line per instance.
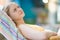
column 12, row 6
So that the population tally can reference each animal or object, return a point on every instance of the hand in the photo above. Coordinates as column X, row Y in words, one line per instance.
column 54, row 38
column 50, row 34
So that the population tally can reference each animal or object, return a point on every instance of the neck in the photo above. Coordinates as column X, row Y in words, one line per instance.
column 20, row 21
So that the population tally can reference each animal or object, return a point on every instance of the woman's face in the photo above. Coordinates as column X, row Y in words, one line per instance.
column 16, row 12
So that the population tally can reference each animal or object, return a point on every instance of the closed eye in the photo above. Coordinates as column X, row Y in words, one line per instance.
column 18, row 7
column 14, row 9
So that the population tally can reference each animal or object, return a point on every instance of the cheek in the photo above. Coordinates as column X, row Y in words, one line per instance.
column 13, row 16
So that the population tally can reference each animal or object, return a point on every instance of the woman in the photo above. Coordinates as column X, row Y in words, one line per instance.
column 31, row 32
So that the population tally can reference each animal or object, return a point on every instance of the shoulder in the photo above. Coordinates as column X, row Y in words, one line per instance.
column 34, row 27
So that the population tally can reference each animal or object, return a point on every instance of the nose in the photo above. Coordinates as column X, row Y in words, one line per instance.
column 20, row 11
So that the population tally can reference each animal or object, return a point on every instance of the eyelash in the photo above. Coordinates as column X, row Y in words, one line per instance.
column 15, row 9
column 18, row 7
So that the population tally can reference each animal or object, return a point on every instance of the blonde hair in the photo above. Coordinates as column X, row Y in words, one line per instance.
column 7, row 7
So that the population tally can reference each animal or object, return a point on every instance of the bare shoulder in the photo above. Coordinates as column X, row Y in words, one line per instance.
column 35, row 27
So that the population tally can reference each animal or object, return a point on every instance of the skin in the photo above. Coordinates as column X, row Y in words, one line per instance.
column 17, row 15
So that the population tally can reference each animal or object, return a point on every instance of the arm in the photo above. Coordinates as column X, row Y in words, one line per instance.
column 30, row 33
